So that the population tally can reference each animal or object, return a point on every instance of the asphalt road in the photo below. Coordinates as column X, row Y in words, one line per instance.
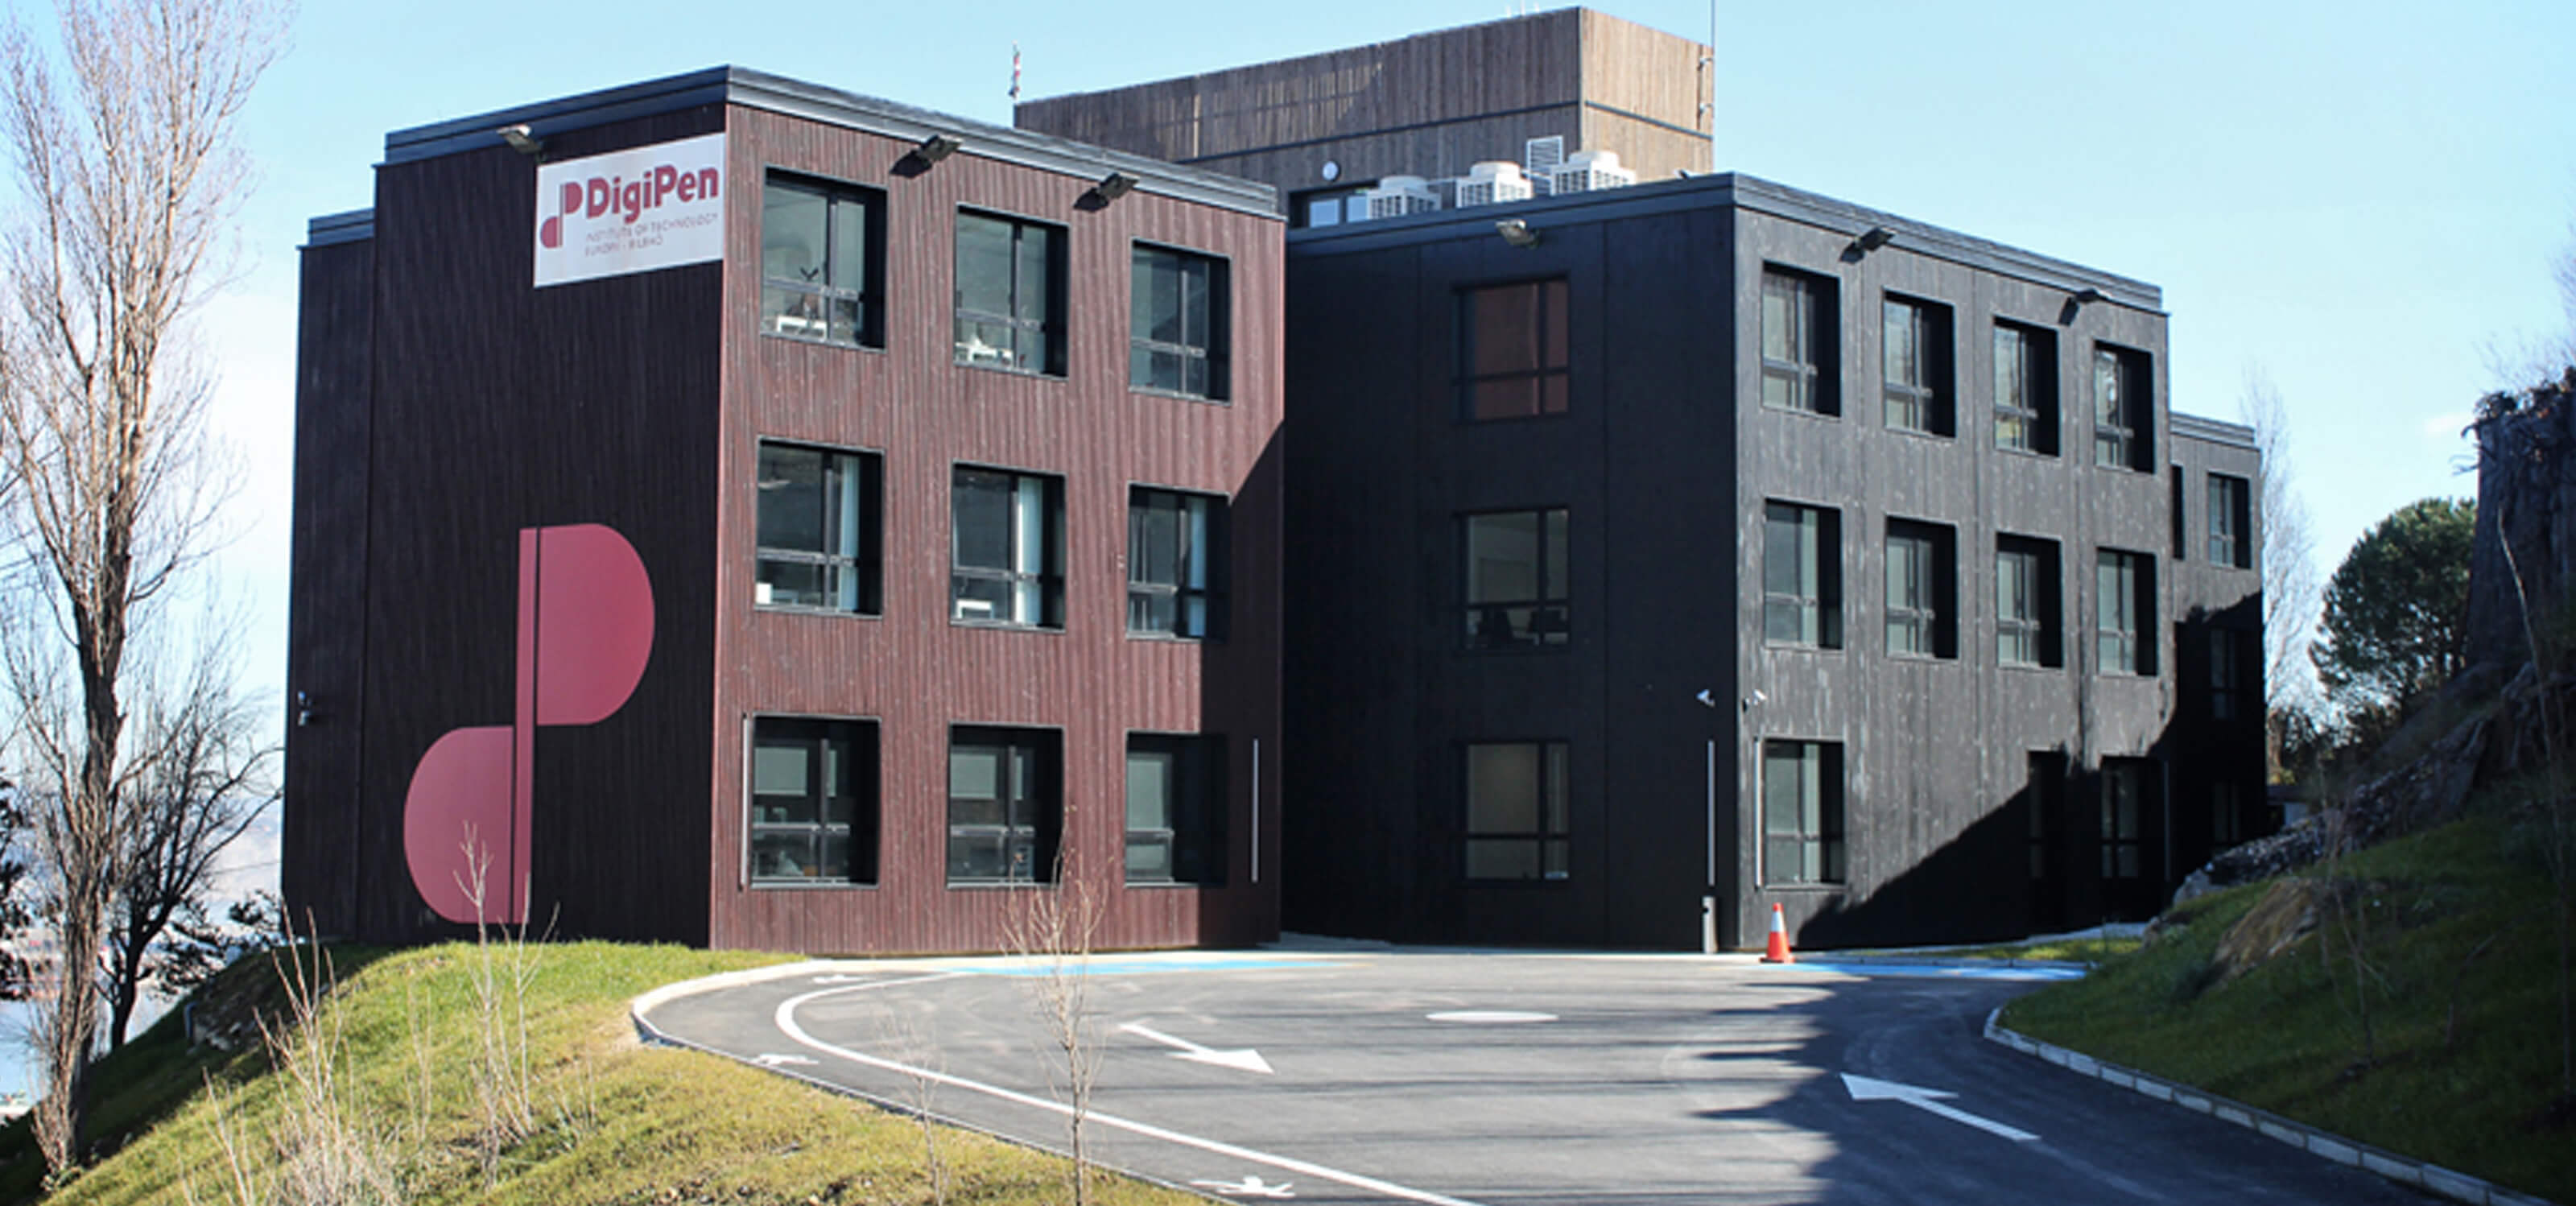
column 1497, row 1079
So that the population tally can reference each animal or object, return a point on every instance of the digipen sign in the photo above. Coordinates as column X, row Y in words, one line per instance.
column 631, row 211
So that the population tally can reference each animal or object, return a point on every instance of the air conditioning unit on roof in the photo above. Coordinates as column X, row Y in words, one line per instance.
column 1492, row 182
column 1540, row 158
column 1588, row 171
column 1396, row 196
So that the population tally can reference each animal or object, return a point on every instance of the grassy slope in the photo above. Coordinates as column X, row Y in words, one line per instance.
column 2467, row 1044
column 618, row 1122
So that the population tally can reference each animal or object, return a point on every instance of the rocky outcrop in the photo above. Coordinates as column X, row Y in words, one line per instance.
column 2523, row 557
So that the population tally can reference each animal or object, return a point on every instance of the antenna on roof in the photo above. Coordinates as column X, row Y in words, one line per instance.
column 1015, row 73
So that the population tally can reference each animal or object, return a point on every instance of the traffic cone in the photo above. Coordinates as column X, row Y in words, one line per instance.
column 1778, row 950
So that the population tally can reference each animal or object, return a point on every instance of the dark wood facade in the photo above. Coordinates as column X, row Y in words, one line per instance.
column 446, row 404
column 1957, row 776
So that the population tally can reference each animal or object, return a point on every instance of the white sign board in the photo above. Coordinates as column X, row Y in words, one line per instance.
column 631, row 211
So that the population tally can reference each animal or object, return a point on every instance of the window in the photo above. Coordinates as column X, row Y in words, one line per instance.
column 2124, row 414
column 1008, row 539
column 1010, row 295
column 1802, row 587
column 1922, row 584
column 2230, row 501
column 1176, row 806
column 1915, row 366
column 2026, row 602
column 1802, row 812
column 813, row 801
column 2181, row 541
column 2227, row 826
column 1512, row 350
column 2025, row 389
column 1004, row 815
column 1178, row 305
column 1798, row 325
column 822, row 248
column 2227, row 694
column 1176, row 570
column 820, row 535
column 1516, row 579
column 1329, row 206
column 2124, row 788
column 2124, row 612
column 1516, row 812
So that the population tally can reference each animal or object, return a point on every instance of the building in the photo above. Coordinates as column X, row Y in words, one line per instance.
column 737, row 512
column 1661, row 554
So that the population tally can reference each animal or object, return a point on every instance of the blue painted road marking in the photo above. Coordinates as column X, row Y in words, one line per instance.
column 1944, row 971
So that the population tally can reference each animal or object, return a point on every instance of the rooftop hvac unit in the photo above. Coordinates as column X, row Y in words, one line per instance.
column 1396, row 196
column 1589, row 171
column 1492, row 182
column 1540, row 158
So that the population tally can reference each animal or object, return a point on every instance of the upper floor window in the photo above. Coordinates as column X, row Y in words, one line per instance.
column 2026, row 602
column 1922, row 575
column 2228, row 698
column 820, row 536
column 1516, row 579
column 1176, row 571
column 1512, row 350
column 1802, row 812
column 1176, row 806
column 1010, row 294
column 1005, row 807
column 821, row 256
column 1008, row 541
column 1177, row 312
column 2125, row 784
column 1798, row 353
column 2025, row 389
column 2230, row 507
column 1802, row 576
column 2124, row 414
column 1516, row 810
column 1915, row 366
column 813, row 801
column 2124, row 610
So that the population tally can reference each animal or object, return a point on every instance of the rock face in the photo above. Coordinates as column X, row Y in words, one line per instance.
column 2527, row 509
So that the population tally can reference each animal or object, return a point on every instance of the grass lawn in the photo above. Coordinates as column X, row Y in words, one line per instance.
column 2461, row 1065
column 2055, row 950
column 613, row 1122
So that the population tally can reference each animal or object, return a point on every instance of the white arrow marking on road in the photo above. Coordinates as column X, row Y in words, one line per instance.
column 775, row 1060
column 1249, row 1187
column 1245, row 1060
column 1866, row 1089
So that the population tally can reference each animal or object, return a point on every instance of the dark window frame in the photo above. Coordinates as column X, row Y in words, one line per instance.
column 866, row 295
column 2228, row 657
column 866, row 564
column 1927, row 604
column 1049, row 578
column 1215, row 326
column 1030, row 847
column 2231, row 506
column 1052, row 319
column 1821, row 597
column 1550, row 838
column 1934, row 397
column 2036, row 416
column 2124, row 408
column 2042, row 627
column 1195, row 810
column 1551, row 303
column 1807, row 362
column 2124, row 831
column 1213, row 563
column 1545, row 619
column 2125, row 635
column 1821, row 840
column 862, row 835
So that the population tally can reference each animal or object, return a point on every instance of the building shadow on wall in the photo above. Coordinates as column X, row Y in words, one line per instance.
column 1240, row 701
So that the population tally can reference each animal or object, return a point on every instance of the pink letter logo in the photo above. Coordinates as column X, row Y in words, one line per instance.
column 585, row 633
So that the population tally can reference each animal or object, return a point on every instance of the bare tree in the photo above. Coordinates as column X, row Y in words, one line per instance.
column 121, row 142
column 1053, row 926
column 2290, row 587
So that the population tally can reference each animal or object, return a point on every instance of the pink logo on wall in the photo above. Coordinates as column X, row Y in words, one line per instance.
column 585, row 633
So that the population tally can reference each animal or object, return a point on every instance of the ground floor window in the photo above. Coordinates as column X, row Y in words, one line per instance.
column 1004, row 810
column 1176, row 808
column 1516, row 810
column 1802, row 812
column 2124, row 793
column 813, row 801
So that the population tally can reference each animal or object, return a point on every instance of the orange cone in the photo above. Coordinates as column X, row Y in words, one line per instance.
column 1778, row 950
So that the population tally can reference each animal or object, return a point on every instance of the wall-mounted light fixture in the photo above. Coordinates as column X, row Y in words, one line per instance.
column 1874, row 238
column 936, row 147
column 1112, row 187
column 1517, row 232
column 521, row 140
column 2087, row 297
column 304, row 712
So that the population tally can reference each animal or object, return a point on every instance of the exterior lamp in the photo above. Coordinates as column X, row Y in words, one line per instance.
column 1112, row 187
column 1872, row 239
column 521, row 140
column 935, row 148
column 1517, row 232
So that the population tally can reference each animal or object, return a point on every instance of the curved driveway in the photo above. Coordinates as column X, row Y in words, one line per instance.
column 1496, row 1079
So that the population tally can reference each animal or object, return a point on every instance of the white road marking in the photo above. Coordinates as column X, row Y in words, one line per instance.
column 1864, row 1088
column 785, row 1018
column 1249, row 1187
column 1242, row 1059
column 775, row 1060
column 1490, row 1017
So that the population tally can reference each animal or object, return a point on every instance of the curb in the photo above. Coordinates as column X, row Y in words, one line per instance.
column 2351, row 1153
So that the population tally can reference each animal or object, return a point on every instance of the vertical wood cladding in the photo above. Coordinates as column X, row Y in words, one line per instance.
column 324, row 819
column 911, row 669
